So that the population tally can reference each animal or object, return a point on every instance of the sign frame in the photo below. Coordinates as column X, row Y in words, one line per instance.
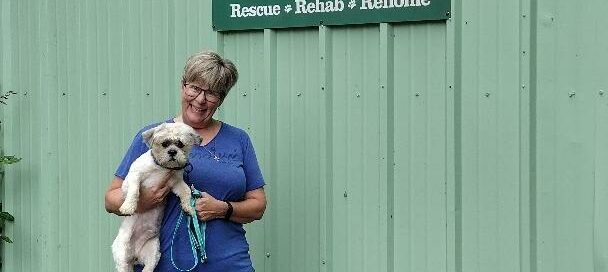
column 230, row 15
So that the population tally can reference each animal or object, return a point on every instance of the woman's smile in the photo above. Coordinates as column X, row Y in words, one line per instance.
column 197, row 109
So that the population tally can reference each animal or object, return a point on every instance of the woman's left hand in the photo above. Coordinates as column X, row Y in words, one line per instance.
column 209, row 208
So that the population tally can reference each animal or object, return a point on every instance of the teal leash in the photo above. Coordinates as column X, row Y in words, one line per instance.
column 196, row 232
column 199, row 227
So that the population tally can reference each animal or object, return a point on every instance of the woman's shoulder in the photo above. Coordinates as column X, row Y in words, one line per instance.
column 230, row 130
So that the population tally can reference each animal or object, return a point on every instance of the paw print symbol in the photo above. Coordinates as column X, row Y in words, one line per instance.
column 287, row 8
column 352, row 4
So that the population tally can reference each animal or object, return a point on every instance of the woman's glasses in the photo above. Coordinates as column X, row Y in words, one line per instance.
column 194, row 91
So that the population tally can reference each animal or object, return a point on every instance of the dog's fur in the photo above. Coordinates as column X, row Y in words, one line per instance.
column 137, row 240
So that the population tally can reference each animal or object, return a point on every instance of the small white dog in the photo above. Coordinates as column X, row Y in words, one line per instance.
column 137, row 240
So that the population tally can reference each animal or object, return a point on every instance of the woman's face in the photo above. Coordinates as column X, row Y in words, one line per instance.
column 198, row 104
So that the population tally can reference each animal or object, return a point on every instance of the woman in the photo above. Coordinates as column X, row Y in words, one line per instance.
column 224, row 168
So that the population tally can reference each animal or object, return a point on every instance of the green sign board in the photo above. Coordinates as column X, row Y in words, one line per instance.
column 259, row 14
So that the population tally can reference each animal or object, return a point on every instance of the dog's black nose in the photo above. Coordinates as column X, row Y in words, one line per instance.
column 172, row 152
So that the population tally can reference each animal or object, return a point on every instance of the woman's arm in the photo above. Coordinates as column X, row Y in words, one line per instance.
column 148, row 198
column 114, row 196
column 248, row 210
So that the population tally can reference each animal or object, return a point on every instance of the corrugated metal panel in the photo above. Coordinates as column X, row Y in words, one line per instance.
column 571, row 159
column 420, row 120
column 356, row 147
column 488, row 138
column 468, row 145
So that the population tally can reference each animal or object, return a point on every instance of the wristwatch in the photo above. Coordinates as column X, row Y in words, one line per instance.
column 229, row 211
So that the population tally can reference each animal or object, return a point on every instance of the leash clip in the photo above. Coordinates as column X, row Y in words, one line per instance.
column 195, row 193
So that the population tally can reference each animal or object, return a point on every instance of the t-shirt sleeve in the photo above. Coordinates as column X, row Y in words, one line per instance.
column 137, row 148
column 253, row 173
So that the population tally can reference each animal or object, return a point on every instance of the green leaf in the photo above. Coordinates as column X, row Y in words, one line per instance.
column 9, row 159
column 7, row 216
column 6, row 239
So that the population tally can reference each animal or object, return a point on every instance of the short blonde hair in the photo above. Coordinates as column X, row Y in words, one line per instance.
column 208, row 67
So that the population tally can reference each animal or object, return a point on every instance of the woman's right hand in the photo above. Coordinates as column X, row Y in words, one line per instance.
column 153, row 196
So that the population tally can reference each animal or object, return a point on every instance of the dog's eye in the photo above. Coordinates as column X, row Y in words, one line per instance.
column 166, row 143
column 179, row 144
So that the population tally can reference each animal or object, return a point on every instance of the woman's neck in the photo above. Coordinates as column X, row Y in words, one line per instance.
column 208, row 132
column 199, row 127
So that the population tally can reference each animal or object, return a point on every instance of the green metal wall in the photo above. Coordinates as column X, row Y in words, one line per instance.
column 475, row 144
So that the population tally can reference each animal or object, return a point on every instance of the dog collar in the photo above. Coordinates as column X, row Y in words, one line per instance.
column 170, row 168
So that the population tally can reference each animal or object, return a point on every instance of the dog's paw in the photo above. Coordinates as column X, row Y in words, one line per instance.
column 127, row 209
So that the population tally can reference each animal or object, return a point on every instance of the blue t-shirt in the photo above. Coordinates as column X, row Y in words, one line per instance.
column 228, row 179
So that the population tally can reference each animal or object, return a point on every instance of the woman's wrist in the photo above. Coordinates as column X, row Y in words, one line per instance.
column 222, row 210
column 229, row 210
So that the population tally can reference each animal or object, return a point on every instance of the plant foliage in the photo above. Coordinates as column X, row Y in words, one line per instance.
column 6, row 160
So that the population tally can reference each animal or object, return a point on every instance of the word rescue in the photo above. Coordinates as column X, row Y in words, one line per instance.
column 305, row 7
column 253, row 11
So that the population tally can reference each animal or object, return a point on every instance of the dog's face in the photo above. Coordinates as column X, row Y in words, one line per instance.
column 171, row 143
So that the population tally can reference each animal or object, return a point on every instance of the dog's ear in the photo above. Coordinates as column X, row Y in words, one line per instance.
column 196, row 139
column 148, row 135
